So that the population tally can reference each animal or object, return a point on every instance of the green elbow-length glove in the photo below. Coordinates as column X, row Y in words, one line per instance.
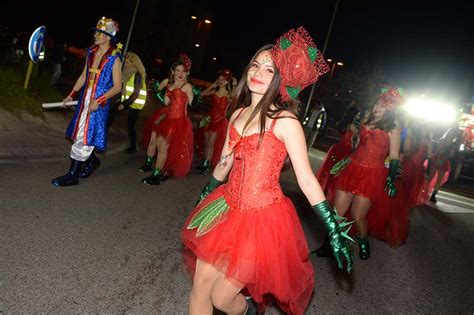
column 210, row 186
column 394, row 171
column 337, row 238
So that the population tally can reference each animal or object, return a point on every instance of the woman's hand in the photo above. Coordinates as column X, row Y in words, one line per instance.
column 93, row 106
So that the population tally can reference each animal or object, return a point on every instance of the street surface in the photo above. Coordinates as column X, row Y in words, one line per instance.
column 112, row 245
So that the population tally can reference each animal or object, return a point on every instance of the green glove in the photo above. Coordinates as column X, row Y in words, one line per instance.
column 393, row 173
column 337, row 238
column 210, row 186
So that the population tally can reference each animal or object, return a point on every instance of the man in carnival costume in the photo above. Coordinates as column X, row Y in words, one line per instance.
column 99, row 81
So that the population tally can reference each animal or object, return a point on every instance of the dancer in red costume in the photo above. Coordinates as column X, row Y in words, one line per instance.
column 215, row 123
column 172, row 133
column 377, row 205
column 440, row 166
column 245, row 233
column 417, row 148
column 348, row 126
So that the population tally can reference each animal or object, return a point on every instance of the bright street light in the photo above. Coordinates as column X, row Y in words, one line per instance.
column 197, row 45
column 338, row 63
column 193, row 17
column 329, row 60
column 207, row 21
column 431, row 110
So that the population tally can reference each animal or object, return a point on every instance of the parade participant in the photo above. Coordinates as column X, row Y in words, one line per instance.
column 440, row 166
column 367, row 186
column 417, row 148
column 348, row 128
column 314, row 122
column 245, row 235
column 172, row 132
column 215, row 122
column 133, row 95
column 99, row 81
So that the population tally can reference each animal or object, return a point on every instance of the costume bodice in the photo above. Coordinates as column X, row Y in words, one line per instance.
column 218, row 107
column 346, row 138
column 373, row 147
column 254, row 179
column 178, row 103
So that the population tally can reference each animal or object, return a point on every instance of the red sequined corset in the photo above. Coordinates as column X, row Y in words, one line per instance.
column 218, row 107
column 373, row 147
column 346, row 138
column 178, row 103
column 254, row 179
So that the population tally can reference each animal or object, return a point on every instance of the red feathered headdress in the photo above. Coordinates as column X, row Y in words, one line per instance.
column 226, row 73
column 299, row 61
column 186, row 61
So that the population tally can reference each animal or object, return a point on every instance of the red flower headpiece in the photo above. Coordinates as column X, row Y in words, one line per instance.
column 391, row 97
column 226, row 73
column 186, row 61
column 299, row 61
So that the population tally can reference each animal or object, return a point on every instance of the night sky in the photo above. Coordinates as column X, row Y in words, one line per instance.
column 422, row 46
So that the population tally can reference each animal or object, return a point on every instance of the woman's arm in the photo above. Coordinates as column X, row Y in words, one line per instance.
column 188, row 88
column 163, row 84
column 394, row 138
column 210, row 90
column 221, row 171
column 289, row 130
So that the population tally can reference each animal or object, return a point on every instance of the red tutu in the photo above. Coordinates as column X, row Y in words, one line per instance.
column 150, row 122
column 258, row 242
column 178, row 133
column 365, row 176
column 336, row 153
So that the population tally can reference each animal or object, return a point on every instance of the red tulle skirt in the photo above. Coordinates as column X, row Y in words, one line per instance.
column 413, row 179
column 149, row 124
column 178, row 133
column 264, row 251
column 220, row 128
column 388, row 218
column 327, row 181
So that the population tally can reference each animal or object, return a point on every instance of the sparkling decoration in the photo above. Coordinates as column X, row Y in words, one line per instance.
column 107, row 26
column 391, row 97
column 299, row 62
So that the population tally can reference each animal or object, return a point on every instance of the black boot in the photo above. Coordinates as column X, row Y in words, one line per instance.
column 154, row 178
column 252, row 307
column 325, row 250
column 71, row 178
column 433, row 196
column 205, row 168
column 364, row 248
column 90, row 166
column 148, row 166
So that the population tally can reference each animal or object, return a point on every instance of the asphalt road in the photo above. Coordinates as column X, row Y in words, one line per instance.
column 112, row 245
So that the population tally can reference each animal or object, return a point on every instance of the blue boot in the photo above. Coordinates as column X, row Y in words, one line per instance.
column 90, row 166
column 71, row 178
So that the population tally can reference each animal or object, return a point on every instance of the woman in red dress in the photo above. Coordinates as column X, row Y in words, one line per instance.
column 417, row 148
column 172, row 133
column 366, row 186
column 216, row 121
column 245, row 235
column 348, row 128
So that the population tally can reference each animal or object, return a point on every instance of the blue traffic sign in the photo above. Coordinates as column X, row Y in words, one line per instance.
column 36, row 43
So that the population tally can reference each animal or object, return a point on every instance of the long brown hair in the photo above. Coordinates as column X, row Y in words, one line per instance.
column 271, row 97
column 387, row 123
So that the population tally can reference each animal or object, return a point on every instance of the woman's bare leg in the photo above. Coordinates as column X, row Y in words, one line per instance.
column 226, row 296
column 162, row 146
column 342, row 201
column 209, row 146
column 200, row 302
column 359, row 211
